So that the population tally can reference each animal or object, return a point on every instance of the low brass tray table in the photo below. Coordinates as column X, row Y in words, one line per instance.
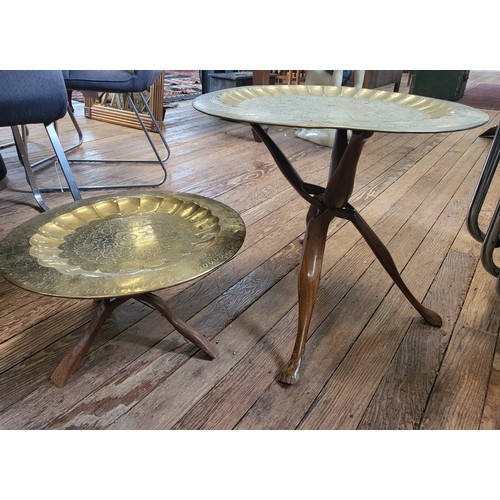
column 363, row 111
column 116, row 248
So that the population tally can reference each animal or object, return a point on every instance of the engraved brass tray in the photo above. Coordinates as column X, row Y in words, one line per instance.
column 318, row 106
column 111, row 246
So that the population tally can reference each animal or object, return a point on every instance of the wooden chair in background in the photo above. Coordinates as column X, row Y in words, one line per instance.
column 290, row 76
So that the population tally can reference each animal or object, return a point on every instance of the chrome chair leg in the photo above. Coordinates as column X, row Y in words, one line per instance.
column 155, row 123
column 63, row 161
column 490, row 239
column 30, row 176
column 161, row 161
column 69, row 148
column 481, row 190
column 22, row 149
column 24, row 137
column 6, row 145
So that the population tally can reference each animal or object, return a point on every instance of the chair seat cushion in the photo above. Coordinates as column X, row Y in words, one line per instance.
column 110, row 80
column 28, row 97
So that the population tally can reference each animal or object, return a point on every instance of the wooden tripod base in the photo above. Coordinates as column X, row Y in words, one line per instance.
column 326, row 203
column 72, row 360
column 310, row 274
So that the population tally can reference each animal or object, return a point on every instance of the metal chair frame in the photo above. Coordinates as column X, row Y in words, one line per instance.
column 6, row 145
column 24, row 133
column 490, row 238
column 67, row 150
column 159, row 159
column 20, row 142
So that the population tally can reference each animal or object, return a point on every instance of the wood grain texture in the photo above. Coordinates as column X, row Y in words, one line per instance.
column 370, row 362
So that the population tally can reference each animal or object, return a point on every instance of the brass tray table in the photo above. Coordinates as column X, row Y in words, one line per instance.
column 116, row 248
column 363, row 111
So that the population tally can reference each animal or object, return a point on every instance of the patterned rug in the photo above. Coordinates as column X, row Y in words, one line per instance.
column 180, row 85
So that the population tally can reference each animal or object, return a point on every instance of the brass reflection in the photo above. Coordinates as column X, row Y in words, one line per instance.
column 109, row 246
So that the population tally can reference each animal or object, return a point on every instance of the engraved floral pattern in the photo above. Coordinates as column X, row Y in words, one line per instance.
column 108, row 247
column 317, row 106
column 122, row 239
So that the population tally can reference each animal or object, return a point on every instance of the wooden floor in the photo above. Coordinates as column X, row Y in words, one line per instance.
column 371, row 362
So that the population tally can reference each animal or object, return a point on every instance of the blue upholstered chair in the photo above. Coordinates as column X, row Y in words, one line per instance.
column 35, row 97
column 119, row 82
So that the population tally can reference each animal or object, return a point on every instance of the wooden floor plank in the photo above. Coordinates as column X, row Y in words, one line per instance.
column 458, row 396
column 187, row 303
column 402, row 395
column 27, row 381
column 166, row 404
column 344, row 399
column 269, row 411
column 370, row 363
column 491, row 414
column 258, row 381
column 342, row 277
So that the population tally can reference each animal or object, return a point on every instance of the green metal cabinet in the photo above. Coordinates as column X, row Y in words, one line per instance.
column 446, row 84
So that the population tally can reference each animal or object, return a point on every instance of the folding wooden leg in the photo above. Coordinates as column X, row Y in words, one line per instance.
column 183, row 328
column 73, row 359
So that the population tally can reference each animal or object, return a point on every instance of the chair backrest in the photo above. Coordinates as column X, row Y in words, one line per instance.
column 28, row 97
column 110, row 80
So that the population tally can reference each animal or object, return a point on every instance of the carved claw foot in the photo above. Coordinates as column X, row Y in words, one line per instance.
column 290, row 374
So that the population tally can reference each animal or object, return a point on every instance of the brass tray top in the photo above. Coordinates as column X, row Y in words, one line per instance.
column 318, row 106
column 111, row 246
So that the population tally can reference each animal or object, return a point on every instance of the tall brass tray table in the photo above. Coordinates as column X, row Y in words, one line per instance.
column 363, row 111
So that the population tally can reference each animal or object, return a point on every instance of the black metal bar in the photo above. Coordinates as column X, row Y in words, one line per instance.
column 481, row 190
